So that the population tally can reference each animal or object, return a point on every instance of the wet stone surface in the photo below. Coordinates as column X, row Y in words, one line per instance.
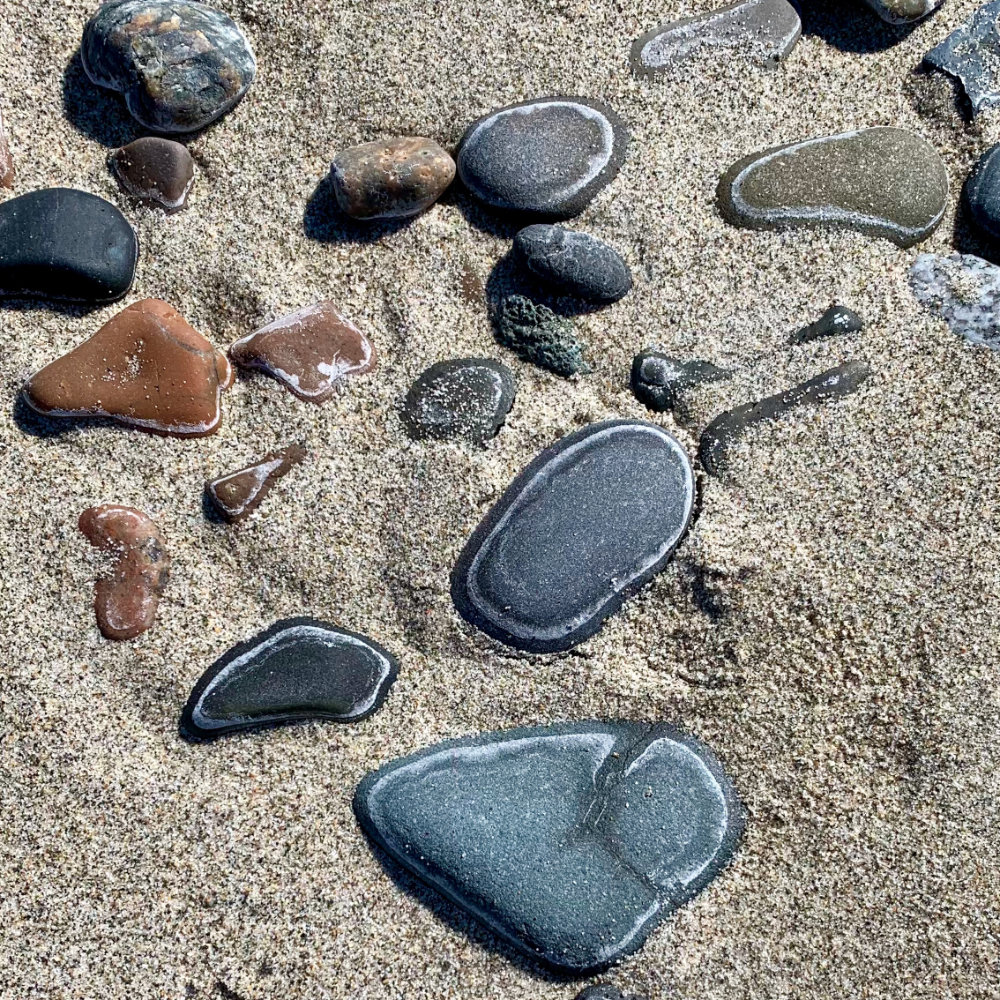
column 298, row 669
column 903, row 11
column 570, row 841
column 236, row 495
column 982, row 193
column 586, row 524
column 156, row 171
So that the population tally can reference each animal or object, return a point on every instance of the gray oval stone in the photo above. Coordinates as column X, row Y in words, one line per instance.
column 577, row 263
column 570, row 841
column 179, row 64
column 879, row 181
column 549, row 156
column 586, row 524
column 299, row 668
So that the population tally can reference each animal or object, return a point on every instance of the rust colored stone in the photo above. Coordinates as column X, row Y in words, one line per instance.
column 146, row 367
column 309, row 351
column 6, row 162
column 126, row 601
column 237, row 495
column 392, row 178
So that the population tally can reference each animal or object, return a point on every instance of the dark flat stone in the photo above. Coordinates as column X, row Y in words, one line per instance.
column 658, row 381
column 964, row 291
column 585, row 525
column 550, row 156
column 61, row 243
column 982, row 192
column 728, row 427
column 571, row 841
column 179, row 64
column 536, row 334
column 835, row 322
column 156, row 171
column 299, row 668
column 463, row 397
column 971, row 54
column 576, row 263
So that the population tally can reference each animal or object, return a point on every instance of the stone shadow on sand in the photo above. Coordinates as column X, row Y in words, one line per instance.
column 98, row 113
column 852, row 26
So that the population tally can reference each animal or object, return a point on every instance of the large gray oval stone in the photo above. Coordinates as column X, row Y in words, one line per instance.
column 880, row 181
column 587, row 523
column 570, row 841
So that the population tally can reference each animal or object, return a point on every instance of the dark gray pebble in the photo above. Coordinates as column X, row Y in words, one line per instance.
column 536, row 334
column 835, row 322
column 603, row 991
column 576, row 263
column 658, row 380
column 982, row 192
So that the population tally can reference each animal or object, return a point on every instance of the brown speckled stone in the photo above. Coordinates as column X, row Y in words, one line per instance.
column 146, row 367
column 157, row 171
column 237, row 495
column 392, row 178
column 126, row 601
column 6, row 163
column 309, row 351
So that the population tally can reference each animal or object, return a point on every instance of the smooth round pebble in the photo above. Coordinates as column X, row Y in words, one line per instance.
column 576, row 263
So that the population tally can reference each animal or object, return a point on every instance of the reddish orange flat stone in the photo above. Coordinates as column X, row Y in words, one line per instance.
column 126, row 601
column 6, row 162
column 238, row 494
column 146, row 367
column 310, row 351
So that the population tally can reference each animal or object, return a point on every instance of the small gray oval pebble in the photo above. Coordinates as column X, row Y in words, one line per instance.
column 576, row 263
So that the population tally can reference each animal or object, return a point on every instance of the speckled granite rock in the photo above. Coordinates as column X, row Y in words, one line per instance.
column 570, row 841
column 971, row 54
column 728, row 427
column 156, row 171
column 835, row 322
column 464, row 397
column 765, row 30
column 576, row 263
column 586, row 524
column 310, row 351
column 982, row 192
column 127, row 599
column 880, row 181
column 299, row 668
column 550, row 156
column 6, row 161
column 146, row 367
column 536, row 334
column 903, row 11
column 964, row 291
column 65, row 244
column 237, row 495
column 180, row 65
column 658, row 381
column 391, row 178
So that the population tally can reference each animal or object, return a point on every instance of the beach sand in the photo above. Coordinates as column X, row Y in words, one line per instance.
column 829, row 626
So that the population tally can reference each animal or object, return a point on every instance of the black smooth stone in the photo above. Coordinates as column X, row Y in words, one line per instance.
column 570, row 841
column 586, row 524
column 658, row 380
column 577, row 263
column 549, row 156
column 299, row 668
column 65, row 244
column 835, row 322
column 464, row 397
column 982, row 192
column 728, row 427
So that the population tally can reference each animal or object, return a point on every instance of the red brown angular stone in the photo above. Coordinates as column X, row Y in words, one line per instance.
column 391, row 178
column 6, row 162
column 238, row 494
column 146, row 367
column 126, row 601
column 309, row 351
column 159, row 172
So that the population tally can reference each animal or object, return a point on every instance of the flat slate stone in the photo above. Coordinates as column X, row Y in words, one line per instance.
column 903, row 11
column 549, row 156
column 60, row 243
column 299, row 668
column 880, row 181
column 726, row 429
column 570, row 841
column 180, row 65
column 464, row 397
column 835, row 322
column 576, row 263
column 765, row 30
column 236, row 495
column 6, row 161
column 156, row 171
column 964, row 290
column 586, row 524
column 658, row 381
column 536, row 334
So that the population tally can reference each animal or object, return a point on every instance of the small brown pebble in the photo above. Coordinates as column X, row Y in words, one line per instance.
column 391, row 178
column 126, row 601
column 310, row 351
column 237, row 495
column 158, row 172
column 6, row 162
column 146, row 367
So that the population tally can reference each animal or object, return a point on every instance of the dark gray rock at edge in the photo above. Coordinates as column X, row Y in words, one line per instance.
column 658, row 381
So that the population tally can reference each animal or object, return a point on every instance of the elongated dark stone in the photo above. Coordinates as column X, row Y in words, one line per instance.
column 62, row 243
column 299, row 668
column 586, row 524
column 726, row 428
column 658, row 381
column 835, row 322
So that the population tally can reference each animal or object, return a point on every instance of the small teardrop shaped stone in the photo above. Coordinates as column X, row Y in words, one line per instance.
column 157, row 171
column 237, row 495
